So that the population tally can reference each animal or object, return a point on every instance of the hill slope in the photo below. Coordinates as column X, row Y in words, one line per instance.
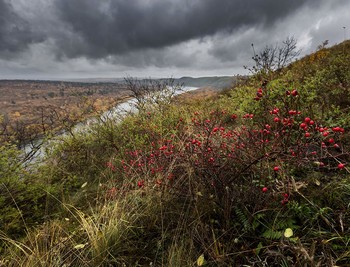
column 255, row 176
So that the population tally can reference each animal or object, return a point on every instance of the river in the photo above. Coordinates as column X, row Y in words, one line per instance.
column 34, row 153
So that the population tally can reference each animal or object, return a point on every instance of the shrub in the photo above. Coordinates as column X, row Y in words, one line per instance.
column 23, row 197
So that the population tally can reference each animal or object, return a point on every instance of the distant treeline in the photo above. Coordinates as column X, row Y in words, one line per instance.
column 217, row 82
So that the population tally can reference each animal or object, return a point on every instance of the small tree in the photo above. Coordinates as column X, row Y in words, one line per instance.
column 150, row 93
column 273, row 58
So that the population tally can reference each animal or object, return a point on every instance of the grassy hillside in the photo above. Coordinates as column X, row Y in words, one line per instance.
column 255, row 176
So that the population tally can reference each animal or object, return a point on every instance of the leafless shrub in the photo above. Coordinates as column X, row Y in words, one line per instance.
column 151, row 93
column 273, row 58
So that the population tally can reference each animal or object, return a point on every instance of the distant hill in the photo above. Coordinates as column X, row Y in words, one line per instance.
column 217, row 82
column 96, row 80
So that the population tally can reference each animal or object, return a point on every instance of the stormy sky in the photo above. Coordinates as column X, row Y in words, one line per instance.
column 65, row 39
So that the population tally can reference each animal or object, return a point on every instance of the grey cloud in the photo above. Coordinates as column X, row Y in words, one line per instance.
column 63, row 37
column 102, row 28
column 310, row 26
column 15, row 33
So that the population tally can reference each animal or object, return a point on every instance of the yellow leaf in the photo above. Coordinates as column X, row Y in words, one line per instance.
column 79, row 246
column 83, row 185
column 201, row 260
column 17, row 114
column 288, row 232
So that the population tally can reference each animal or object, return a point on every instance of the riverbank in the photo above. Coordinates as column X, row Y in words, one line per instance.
column 33, row 148
column 124, row 105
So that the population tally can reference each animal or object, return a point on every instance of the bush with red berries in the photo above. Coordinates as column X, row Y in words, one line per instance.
column 220, row 153
column 251, row 173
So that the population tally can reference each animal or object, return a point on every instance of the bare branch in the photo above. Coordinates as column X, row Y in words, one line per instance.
column 273, row 58
column 150, row 93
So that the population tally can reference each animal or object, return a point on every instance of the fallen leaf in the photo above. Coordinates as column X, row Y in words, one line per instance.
column 201, row 260
column 79, row 246
column 288, row 232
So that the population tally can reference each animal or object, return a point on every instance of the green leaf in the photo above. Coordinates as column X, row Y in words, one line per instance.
column 258, row 248
column 288, row 232
column 272, row 234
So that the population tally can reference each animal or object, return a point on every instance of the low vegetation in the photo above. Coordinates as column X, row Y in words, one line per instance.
column 255, row 176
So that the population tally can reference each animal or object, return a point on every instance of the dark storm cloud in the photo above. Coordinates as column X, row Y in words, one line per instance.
column 48, row 38
column 15, row 33
column 101, row 28
column 310, row 26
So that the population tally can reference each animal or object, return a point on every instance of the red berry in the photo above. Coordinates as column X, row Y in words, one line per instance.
column 276, row 119
column 303, row 125
column 264, row 189
column 276, row 168
column 294, row 92
column 307, row 134
column 307, row 120
column 338, row 129
column 163, row 147
column 331, row 140
column 275, row 111
column 141, row 183
column 341, row 166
